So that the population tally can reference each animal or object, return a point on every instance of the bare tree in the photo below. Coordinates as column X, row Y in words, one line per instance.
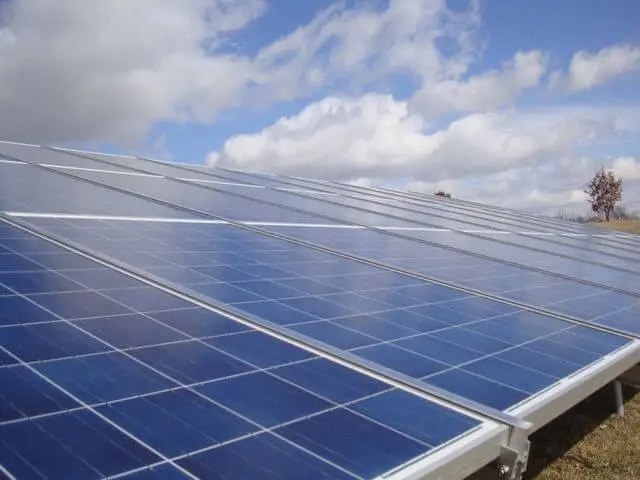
column 604, row 190
column 441, row 193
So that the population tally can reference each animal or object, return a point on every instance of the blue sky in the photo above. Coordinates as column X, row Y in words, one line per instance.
column 482, row 98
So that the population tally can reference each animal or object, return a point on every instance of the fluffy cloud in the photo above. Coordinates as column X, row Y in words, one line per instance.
column 492, row 156
column 626, row 167
column 365, row 43
column 489, row 90
column 588, row 70
column 108, row 70
column 377, row 136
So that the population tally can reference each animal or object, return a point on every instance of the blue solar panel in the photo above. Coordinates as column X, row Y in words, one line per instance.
column 17, row 193
column 101, row 383
column 432, row 330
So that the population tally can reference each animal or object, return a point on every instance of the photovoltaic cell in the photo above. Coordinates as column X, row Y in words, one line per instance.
column 439, row 333
column 96, row 388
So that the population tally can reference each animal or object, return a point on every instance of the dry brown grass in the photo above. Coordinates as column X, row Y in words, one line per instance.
column 630, row 226
column 586, row 443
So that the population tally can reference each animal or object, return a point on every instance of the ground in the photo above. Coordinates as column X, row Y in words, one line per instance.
column 588, row 442
column 631, row 226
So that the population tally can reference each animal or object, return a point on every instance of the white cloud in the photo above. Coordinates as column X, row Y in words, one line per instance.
column 588, row 70
column 523, row 157
column 377, row 136
column 365, row 43
column 626, row 167
column 109, row 70
column 487, row 91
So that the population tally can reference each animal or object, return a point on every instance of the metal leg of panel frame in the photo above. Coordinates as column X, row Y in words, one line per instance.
column 514, row 456
column 617, row 389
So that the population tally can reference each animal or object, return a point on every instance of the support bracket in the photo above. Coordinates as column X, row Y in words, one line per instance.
column 515, row 455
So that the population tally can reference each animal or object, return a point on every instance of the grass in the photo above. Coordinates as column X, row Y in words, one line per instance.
column 588, row 442
column 630, row 226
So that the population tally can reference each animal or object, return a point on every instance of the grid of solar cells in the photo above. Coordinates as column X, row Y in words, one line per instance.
column 428, row 204
column 593, row 303
column 510, row 247
column 31, row 189
column 484, row 350
column 217, row 203
column 512, row 253
column 470, row 208
column 435, row 212
column 108, row 376
column 389, row 205
column 49, row 157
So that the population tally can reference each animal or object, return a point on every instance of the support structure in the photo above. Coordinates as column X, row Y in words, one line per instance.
column 617, row 389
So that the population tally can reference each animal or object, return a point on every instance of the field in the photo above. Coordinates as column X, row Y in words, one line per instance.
column 588, row 442
column 631, row 226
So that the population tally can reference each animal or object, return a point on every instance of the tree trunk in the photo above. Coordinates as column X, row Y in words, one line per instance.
column 607, row 212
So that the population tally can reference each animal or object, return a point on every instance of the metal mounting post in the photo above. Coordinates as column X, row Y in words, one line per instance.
column 515, row 455
column 617, row 389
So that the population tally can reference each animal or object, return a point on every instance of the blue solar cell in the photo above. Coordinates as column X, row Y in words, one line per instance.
column 80, row 304
column 11, row 262
column 477, row 342
column 437, row 349
column 330, row 380
column 18, row 310
column 38, row 282
column 336, row 435
column 409, row 415
column 262, row 456
column 199, row 322
column 540, row 362
column 60, row 261
column 46, row 341
column 223, row 273
column 25, row 394
column 264, row 399
column 269, row 289
column 165, row 471
column 190, row 362
column 510, row 374
column 375, row 327
column 278, row 313
column 70, row 445
column 7, row 359
column 478, row 388
column 319, row 307
column 127, row 331
column 225, row 292
column 103, row 378
column 411, row 320
column 102, row 278
column 259, row 349
column 403, row 361
column 177, row 422
column 575, row 355
column 334, row 335
column 147, row 299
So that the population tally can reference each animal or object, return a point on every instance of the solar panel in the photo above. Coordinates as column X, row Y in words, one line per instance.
column 103, row 383
column 184, row 324
column 217, row 202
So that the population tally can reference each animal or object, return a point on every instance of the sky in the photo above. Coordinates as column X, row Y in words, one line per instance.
column 514, row 103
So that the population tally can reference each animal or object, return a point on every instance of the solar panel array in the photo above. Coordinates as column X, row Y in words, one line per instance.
column 174, row 321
